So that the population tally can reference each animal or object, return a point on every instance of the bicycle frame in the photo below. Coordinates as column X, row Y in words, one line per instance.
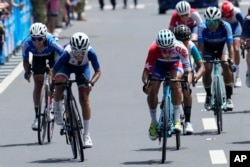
column 45, row 120
column 166, row 108
column 218, row 92
column 165, row 124
column 217, row 77
column 72, row 127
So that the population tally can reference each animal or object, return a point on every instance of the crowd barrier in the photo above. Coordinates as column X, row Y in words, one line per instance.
column 16, row 29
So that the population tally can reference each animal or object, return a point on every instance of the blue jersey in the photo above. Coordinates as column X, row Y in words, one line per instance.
column 215, row 40
column 50, row 45
column 246, row 27
column 69, row 60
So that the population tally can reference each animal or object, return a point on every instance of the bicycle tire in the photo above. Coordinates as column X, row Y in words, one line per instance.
column 42, row 122
column 164, row 130
column 77, row 129
column 71, row 134
column 218, row 104
column 166, row 126
column 51, row 123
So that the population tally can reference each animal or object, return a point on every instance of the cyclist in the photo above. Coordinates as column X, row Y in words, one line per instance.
column 186, row 15
column 75, row 59
column 43, row 47
column 234, row 17
column 215, row 39
column 183, row 33
column 246, row 43
column 165, row 54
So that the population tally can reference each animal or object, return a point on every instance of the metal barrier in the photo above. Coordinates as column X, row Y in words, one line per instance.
column 16, row 29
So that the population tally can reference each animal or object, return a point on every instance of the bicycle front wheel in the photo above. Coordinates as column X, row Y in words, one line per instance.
column 77, row 129
column 218, row 104
column 42, row 121
column 51, row 123
column 70, row 128
column 164, row 129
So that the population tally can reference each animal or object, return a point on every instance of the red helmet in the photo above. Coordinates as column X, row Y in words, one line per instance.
column 227, row 9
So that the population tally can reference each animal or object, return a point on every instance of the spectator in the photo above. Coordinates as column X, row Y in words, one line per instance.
column 80, row 10
column 101, row 2
column 2, row 40
column 53, row 11
column 125, row 4
column 4, row 12
column 39, row 11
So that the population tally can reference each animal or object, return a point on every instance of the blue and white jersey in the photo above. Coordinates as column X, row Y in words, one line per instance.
column 217, row 39
column 50, row 45
column 67, row 58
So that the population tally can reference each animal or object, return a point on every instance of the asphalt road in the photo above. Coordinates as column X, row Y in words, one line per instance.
column 120, row 117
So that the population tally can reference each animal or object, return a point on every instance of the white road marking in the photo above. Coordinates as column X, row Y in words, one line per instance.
column 217, row 157
column 7, row 81
column 201, row 97
column 12, row 76
column 209, row 123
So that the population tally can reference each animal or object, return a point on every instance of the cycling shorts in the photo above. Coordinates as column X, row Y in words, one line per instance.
column 68, row 69
column 210, row 54
column 39, row 63
column 161, row 67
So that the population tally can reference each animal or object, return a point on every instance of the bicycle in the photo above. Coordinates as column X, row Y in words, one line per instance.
column 45, row 113
column 72, row 126
column 165, row 125
column 218, row 97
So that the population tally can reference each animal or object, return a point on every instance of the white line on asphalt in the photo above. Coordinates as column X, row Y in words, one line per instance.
column 201, row 97
column 209, row 123
column 7, row 81
column 218, row 157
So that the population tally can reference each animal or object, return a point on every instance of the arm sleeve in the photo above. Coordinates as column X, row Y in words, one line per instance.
column 61, row 61
column 94, row 60
column 25, row 50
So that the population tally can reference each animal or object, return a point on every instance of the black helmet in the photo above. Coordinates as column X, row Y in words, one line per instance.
column 182, row 32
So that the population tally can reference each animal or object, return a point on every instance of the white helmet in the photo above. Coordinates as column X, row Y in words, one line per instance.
column 212, row 13
column 165, row 38
column 79, row 41
column 182, row 8
column 38, row 30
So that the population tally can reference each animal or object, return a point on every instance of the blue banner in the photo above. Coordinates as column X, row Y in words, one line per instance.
column 16, row 28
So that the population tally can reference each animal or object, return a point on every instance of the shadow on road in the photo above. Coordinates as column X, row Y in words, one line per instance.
column 148, row 162
column 55, row 160
column 18, row 145
column 241, row 142
column 160, row 149
column 205, row 133
column 237, row 112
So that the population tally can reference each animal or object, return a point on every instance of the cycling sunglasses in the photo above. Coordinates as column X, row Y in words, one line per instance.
column 34, row 39
column 78, row 53
column 167, row 50
column 212, row 22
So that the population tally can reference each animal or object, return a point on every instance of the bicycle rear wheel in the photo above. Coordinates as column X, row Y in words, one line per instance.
column 77, row 129
column 42, row 120
column 218, row 104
